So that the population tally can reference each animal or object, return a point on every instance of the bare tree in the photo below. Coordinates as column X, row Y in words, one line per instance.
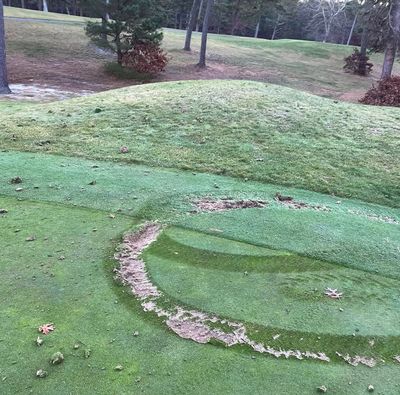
column 203, row 49
column 4, row 89
column 325, row 14
column 192, row 24
column 352, row 29
column 393, row 40
column 199, row 16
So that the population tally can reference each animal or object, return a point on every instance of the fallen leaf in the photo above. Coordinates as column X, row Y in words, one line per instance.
column 46, row 328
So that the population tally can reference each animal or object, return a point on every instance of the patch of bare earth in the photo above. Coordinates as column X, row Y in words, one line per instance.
column 353, row 96
column 210, row 205
column 188, row 324
column 356, row 360
column 375, row 217
column 75, row 76
column 291, row 203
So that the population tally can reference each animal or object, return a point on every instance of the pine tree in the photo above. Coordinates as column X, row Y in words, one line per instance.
column 130, row 23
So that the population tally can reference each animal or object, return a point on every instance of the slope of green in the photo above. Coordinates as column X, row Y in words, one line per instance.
column 244, row 129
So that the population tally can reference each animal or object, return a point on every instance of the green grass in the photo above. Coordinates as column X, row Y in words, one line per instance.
column 25, row 13
column 79, row 295
column 267, row 268
column 242, row 129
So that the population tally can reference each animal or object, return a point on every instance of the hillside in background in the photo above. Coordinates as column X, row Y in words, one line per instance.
column 53, row 49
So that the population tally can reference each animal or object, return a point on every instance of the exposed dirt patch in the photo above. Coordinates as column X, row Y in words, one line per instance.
column 375, row 217
column 356, row 360
column 353, row 96
column 74, row 76
column 132, row 270
column 188, row 324
column 210, row 205
column 42, row 93
column 291, row 203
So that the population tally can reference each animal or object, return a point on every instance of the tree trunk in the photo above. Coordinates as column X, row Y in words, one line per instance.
column 390, row 56
column 104, row 27
column 118, row 48
column 362, row 67
column 203, row 49
column 275, row 28
column 391, row 47
column 22, row 3
column 235, row 17
column 192, row 24
column 257, row 28
column 3, row 65
column 199, row 15
column 45, row 6
column 352, row 30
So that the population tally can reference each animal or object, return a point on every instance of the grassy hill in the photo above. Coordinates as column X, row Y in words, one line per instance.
column 243, row 129
column 42, row 51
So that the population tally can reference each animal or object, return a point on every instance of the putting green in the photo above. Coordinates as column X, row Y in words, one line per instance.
column 267, row 268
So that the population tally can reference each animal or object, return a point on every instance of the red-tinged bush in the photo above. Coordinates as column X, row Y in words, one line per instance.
column 146, row 58
column 357, row 63
column 386, row 93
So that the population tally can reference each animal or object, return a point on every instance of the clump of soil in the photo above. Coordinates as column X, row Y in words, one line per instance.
column 210, row 205
column 16, row 180
column 290, row 202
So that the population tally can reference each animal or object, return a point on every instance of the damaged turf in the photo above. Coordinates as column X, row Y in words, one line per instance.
column 188, row 324
column 291, row 203
column 211, row 205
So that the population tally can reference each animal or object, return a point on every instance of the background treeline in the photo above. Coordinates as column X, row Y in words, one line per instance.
column 337, row 21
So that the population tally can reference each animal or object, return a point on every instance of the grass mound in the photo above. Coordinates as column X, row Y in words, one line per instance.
column 243, row 129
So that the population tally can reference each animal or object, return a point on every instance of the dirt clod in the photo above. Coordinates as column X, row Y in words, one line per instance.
column 3, row 211
column 124, row 150
column 57, row 358
column 322, row 389
column 31, row 238
column 119, row 368
column 41, row 374
column 16, row 180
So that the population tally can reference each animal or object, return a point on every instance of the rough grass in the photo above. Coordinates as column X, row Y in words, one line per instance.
column 78, row 294
column 243, row 129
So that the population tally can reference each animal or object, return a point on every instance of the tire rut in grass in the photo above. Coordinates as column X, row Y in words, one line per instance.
column 197, row 325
